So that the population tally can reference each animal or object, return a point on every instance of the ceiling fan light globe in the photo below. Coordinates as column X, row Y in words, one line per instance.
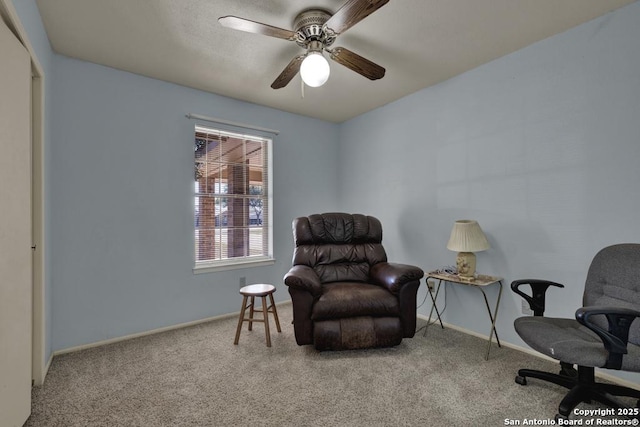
column 314, row 70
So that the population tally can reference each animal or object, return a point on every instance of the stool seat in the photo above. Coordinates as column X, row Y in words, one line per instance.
column 249, row 293
column 258, row 290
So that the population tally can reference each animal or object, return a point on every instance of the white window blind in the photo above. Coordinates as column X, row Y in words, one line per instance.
column 232, row 198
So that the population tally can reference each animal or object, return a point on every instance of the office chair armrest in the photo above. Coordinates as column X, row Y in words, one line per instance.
column 303, row 277
column 538, row 291
column 616, row 338
column 394, row 276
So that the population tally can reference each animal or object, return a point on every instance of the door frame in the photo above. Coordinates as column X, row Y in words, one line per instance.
column 39, row 365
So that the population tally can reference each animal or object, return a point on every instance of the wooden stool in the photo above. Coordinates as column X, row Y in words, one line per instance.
column 252, row 291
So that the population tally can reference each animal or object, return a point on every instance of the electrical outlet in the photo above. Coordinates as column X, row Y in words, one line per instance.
column 243, row 282
column 526, row 310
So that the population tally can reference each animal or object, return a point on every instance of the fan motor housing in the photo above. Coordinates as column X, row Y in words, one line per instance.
column 309, row 26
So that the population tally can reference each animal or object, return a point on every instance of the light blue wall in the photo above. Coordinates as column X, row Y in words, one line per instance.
column 118, row 213
column 122, row 201
column 30, row 19
column 541, row 147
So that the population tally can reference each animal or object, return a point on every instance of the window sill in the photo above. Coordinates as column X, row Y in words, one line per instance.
column 211, row 267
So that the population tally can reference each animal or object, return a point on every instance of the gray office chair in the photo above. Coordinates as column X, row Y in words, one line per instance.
column 603, row 334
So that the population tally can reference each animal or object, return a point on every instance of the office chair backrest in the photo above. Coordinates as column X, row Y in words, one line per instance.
column 338, row 246
column 614, row 280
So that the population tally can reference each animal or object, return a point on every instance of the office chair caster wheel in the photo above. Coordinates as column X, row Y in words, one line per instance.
column 561, row 417
column 521, row 380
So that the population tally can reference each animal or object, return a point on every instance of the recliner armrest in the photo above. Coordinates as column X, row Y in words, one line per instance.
column 394, row 276
column 538, row 291
column 303, row 277
column 615, row 339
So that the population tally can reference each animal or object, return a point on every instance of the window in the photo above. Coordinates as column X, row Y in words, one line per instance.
column 232, row 199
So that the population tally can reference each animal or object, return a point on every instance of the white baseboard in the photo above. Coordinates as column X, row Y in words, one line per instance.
column 598, row 373
column 146, row 333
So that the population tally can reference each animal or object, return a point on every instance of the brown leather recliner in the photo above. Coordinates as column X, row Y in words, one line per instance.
column 345, row 294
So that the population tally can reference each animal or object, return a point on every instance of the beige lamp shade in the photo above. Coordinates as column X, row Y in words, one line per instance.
column 467, row 237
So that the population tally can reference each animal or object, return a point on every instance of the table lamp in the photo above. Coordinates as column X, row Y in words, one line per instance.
column 466, row 238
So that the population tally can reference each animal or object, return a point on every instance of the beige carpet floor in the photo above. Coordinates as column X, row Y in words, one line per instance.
column 195, row 376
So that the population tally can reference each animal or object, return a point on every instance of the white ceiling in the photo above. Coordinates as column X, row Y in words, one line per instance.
column 419, row 42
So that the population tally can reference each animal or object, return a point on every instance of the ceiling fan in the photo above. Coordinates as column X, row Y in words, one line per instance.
column 316, row 30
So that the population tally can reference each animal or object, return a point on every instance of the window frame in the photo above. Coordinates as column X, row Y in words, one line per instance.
column 212, row 265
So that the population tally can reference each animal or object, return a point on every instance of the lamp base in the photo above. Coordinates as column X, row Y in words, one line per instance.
column 466, row 264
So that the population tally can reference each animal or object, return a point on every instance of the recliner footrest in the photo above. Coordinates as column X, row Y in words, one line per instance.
column 357, row 332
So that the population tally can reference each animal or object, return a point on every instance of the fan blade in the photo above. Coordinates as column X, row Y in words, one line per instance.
column 288, row 73
column 256, row 27
column 357, row 63
column 352, row 12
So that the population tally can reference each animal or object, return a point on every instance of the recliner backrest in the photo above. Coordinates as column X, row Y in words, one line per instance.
column 338, row 246
column 614, row 280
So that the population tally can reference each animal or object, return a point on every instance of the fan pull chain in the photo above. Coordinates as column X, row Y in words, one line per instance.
column 302, row 88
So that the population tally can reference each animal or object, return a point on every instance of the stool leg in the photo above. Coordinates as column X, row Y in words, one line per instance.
column 275, row 312
column 266, row 320
column 253, row 302
column 240, row 320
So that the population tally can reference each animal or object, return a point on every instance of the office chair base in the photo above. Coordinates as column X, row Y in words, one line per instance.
column 582, row 388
